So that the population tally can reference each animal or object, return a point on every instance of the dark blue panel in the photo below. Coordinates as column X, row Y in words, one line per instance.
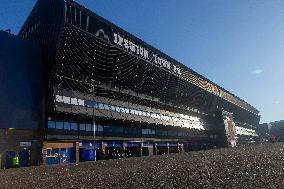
column 9, row 157
column 20, row 77
column 23, row 154
column 72, row 155
column 87, row 155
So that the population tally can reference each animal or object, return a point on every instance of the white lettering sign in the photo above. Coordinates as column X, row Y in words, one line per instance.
column 129, row 45
column 25, row 144
column 142, row 52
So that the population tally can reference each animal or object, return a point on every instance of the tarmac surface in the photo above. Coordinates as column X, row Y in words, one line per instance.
column 256, row 166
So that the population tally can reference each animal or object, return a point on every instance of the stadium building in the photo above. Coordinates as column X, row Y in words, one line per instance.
column 107, row 94
column 266, row 130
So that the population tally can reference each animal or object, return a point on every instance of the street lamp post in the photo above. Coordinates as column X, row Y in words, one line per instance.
column 94, row 121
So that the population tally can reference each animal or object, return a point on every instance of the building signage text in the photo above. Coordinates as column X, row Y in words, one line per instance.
column 130, row 46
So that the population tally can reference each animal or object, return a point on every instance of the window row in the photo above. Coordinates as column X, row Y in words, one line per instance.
column 88, row 127
column 245, row 131
column 183, row 120
column 62, row 125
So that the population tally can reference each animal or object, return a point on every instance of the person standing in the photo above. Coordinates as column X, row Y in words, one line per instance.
column 273, row 138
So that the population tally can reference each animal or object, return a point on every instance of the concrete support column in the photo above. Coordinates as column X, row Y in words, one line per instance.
column 181, row 148
column 124, row 145
column 103, row 151
column 141, row 149
column 44, row 153
column 77, row 151
column 155, row 149
column 168, row 148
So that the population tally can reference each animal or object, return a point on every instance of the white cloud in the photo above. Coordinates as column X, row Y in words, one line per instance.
column 257, row 71
column 276, row 102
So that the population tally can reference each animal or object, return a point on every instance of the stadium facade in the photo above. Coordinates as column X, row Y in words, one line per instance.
column 107, row 94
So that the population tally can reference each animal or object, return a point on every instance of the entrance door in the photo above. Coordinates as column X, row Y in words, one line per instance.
column 145, row 151
column 64, row 156
column 9, row 159
column 113, row 153
column 86, row 154
column 24, row 156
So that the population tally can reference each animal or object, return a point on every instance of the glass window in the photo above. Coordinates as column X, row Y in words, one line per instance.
column 89, row 127
column 158, row 116
column 51, row 124
column 96, row 105
column 172, row 133
column 58, row 98
column 81, row 102
column 148, row 132
column 132, row 131
column 144, row 131
column 107, row 129
column 135, row 112
column 48, row 152
column 82, row 127
column 66, row 125
column 99, row 128
column 89, row 103
column 74, row 126
column 112, row 108
column 66, row 99
column 59, row 125
column 74, row 101
column 122, row 110
column 113, row 129
column 118, row 129
column 101, row 106
column 139, row 112
column 106, row 106
column 161, row 133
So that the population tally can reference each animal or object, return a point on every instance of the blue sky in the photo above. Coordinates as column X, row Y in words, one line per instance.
column 237, row 44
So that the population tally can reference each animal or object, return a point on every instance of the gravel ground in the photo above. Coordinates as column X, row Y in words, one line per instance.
column 259, row 166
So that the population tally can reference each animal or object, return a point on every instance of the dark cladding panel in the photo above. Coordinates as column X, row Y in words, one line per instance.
column 44, row 23
column 93, row 51
column 116, row 36
column 20, row 76
column 82, row 57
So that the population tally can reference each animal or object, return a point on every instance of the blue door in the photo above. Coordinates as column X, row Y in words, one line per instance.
column 72, row 155
column 23, row 155
column 53, row 156
column 64, row 155
column 9, row 158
